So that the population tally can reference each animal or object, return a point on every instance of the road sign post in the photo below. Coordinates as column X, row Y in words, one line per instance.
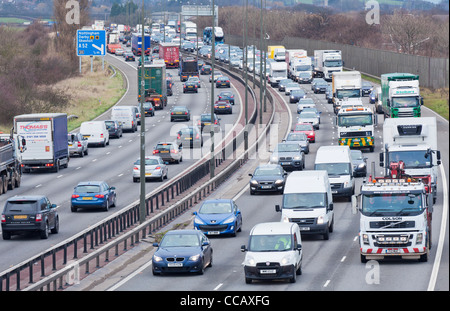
column 91, row 43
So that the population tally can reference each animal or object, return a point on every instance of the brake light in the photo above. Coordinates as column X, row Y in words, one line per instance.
column 215, row 121
column 101, row 135
column 155, row 151
column 100, row 196
column 79, row 144
column 158, row 168
column 3, row 218
column 74, row 196
column 178, row 136
column 185, row 113
column 136, row 168
column 173, row 151
column 38, row 217
column 197, row 137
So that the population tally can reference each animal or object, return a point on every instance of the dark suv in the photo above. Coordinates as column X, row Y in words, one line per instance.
column 29, row 213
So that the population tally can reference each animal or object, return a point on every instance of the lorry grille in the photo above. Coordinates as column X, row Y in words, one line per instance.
column 405, row 114
column 392, row 224
column 303, row 221
column 356, row 134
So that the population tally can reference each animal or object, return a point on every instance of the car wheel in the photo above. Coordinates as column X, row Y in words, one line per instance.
column 86, row 152
column 55, row 229
column 106, row 208
column 44, row 232
column 73, row 209
column 6, row 235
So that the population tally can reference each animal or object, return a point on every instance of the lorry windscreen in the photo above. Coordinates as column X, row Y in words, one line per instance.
column 412, row 159
column 302, row 67
column 405, row 102
column 348, row 93
column 332, row 63
column 304, row 200
column 392, row 204
column 355, row 120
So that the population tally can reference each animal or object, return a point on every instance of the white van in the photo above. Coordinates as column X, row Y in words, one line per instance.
column 126, row 115
column 274, row 252
column 337, row 161
column 308, row 202
column 95, row 132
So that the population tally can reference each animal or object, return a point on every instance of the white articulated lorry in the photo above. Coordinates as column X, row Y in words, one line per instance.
column 326, row 62
column 346, row 86
column 297, row 62
column 414, row 142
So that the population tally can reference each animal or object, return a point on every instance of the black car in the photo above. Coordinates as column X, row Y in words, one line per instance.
column 373, row 97
column 114, row 128
column 29, row 214
column 320, row 87
column 206, row 70
column 329, row 94
column 222, row 81
column 149, row 109
column 304, row 77
column 359, row 163
column 296, row 95
column 223, row 106
column 282, row 84
column 226, row 95
column 190, row 87
column 169, row 87
column 205, row 122
column 268, row 178
column 180, row 113
column 366, row 88
column 129, row 57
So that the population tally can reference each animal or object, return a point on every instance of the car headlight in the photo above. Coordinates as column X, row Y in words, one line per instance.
column 194, row 257
column 362, row 165
column 365, row 238
column 419, row 238
column 320, row 220
column 285, row 219
column 229, row 220
column 198, row 221
column 279, row 182
column 253, row 182
column 274, row 159
column 250, row 261
column 297, row 158
column 157, row 258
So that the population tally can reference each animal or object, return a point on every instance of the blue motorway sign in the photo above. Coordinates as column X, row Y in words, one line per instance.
column 91, row 42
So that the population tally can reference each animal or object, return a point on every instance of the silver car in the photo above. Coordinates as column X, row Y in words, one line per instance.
column 300, row 138
column 289, row 155
column 77, row 144
column 155, row 168
column 309, row 117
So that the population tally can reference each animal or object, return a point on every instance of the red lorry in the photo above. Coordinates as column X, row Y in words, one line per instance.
column 170, row 53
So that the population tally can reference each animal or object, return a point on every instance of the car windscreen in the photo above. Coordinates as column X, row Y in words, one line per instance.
column 180, row 240
column 87, row 189
column 287, row 148
column 215, row 208
column 21, row 206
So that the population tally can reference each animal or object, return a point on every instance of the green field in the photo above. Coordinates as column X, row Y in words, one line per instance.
column 13, row 20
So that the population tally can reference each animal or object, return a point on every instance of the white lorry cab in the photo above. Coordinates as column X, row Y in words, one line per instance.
column 126, row 115
column 337, row 161
column 274, row 252
column 308, row 202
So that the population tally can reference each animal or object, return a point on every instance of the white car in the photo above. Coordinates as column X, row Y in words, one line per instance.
column 291, row 86
column 309, row 117
column 155, row 168
column 119, row 52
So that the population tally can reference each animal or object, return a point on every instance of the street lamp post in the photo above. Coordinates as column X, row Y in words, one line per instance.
column 142, row 207
column 213, row 58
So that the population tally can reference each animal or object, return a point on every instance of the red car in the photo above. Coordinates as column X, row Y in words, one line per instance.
column 306, row 128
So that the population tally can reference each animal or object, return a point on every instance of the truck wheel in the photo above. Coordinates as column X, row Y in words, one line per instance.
column 18, row 180
column 12, row 182
column 1, row 185
column 363, row 259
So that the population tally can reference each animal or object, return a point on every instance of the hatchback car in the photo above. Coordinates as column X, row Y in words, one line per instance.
column 77, row 144
column 115, row 128
column 309, row 117
column 282, row 84
column 149, row 109
column 93, row 194
column 180, row 113
column 217, row 74
column 296, row 95
column 359, row 163
column 304, row 77
column 205, row 70
column 129, row 57
column 316, row 80
column 268, row 178
column 227, row 95
column 290, row 87
column 205, row 122
column 190, row 87
column 223, row 81
column 169, row 152
column 301, row 139
column 366, row 88
column 289, row 155
column 155, row 168
column 305, row 103
column 190, row 136
column 182, row 251
column 306, row 128
column 218, row 217
column 223, row 106
column 195, row 80
column 29, row 214
column 320, row 87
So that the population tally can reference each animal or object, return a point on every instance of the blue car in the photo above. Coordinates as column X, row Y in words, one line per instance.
column 218, row 217
column 182, row 251
column 93, row 194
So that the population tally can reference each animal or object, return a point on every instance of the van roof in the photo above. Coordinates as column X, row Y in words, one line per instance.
column 307, row 182
column 333, row 154
column 273, row 228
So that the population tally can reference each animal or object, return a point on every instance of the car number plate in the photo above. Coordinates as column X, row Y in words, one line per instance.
column 305, row 228
column 266, row 187
column 20, row 216
column 164, row 151
column 87, row 198
column 70, row 145
column 221, row 106
column 175, row 264
column 334, row 191
column 86, row 136
column 188, row 138
column 284, row 163
column 268, row 271
column 213, row 232
column 207, row 123
column 177, row 112
column 392, row 251
column 148, row 174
